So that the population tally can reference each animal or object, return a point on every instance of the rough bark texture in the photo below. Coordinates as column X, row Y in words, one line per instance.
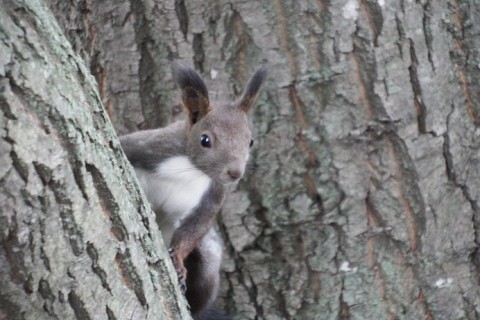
column 364, row 198
column 76, row 239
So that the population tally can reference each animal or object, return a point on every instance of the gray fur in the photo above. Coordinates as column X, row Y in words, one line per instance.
column 190, row 234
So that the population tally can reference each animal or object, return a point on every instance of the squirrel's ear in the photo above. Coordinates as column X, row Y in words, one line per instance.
column 251, row 90
column 194, row 92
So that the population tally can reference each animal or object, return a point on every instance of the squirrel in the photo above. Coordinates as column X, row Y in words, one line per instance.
column 184, row 170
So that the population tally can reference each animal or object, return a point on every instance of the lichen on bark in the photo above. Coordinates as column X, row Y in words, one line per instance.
column 77, row 238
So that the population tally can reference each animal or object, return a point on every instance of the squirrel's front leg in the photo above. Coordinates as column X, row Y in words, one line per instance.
column 193, row 228
column 185, row 240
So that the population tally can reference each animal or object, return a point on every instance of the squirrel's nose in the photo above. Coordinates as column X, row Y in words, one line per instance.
column 235, row 174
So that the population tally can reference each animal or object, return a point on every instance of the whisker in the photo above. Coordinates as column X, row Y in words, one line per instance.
column 184, row 170
column 173, row 173
column 195, row 178
column 250, row 167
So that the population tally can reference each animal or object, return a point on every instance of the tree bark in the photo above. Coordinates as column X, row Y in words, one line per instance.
column 364, row 201
column 76, row 238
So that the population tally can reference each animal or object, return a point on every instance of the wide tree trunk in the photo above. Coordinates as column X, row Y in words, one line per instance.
column 76, row 238
column 363, row 198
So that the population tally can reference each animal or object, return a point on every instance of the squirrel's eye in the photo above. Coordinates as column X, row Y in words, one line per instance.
column 205, row 141
column 251, row 142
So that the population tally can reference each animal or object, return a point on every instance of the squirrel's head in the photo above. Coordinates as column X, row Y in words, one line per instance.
column 218, row 135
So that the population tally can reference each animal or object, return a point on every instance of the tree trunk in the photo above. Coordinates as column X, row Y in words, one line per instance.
column 77, row 240
column 364, row 201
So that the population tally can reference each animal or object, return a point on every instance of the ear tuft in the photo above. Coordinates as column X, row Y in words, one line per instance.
column 253, row 87
column 187, row 77
column 194, row 91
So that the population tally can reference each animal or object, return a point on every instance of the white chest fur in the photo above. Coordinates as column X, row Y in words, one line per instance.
column 173, row 189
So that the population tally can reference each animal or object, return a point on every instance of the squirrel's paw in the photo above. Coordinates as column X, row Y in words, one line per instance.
column 180, row 269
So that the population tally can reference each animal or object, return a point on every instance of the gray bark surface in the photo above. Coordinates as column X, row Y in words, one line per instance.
column 76, row 239
column 363, row 199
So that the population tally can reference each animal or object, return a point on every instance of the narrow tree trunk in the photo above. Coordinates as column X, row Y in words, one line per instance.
column 76, row 239
column 364, row 201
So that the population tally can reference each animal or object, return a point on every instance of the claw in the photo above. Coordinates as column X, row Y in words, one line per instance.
column 182, row 283
column 180, row 269
column 182, row 277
